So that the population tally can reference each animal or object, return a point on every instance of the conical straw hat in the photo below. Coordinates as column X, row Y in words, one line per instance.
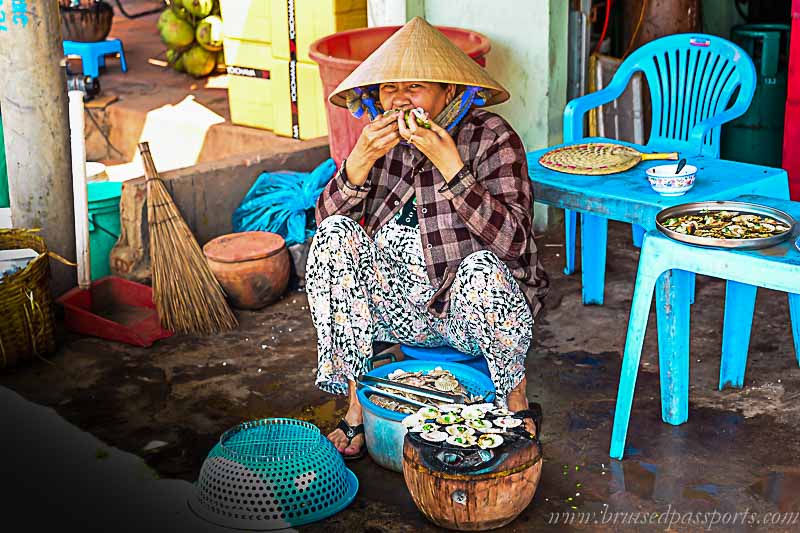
column 419, row 52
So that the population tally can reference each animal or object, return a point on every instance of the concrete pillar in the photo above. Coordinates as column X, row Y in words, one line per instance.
column 528, row 56
column 33, row 97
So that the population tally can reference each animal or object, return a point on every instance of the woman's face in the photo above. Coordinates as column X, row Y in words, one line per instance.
column 430, row 96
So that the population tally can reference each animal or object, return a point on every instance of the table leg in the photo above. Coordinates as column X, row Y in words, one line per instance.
column 740, row 302
column 794, row 313
column 570, row 222
column 594, row 236
column 637, row 326
column 672, row 310
column 638, row 235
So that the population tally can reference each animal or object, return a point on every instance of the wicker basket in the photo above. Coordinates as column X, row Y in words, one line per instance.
column 86, row 24
column 26, row 327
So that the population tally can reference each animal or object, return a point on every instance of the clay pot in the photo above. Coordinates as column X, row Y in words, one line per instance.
column 252, row 267
column 86, row 23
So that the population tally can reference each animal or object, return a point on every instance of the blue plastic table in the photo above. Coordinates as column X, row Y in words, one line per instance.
column 664, row 267
column 628, row 197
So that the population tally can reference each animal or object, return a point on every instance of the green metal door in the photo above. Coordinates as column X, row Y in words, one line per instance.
column 757, row 136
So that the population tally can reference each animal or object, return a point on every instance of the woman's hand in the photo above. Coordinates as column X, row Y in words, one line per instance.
column 375, row 141
column 435, row 143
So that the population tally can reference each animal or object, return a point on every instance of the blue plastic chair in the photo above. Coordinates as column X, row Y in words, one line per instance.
column 692, row 79
column 93, row 55
column 445, row 354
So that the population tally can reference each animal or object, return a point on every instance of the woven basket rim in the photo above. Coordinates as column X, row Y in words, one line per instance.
column 38, row 244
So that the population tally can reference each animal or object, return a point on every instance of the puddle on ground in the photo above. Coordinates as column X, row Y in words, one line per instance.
column 781, row 488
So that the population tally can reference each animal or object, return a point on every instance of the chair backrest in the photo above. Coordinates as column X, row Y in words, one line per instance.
column 692, row 78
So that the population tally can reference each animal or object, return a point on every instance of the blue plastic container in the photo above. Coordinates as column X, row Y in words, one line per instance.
column 383, row 428
column 445, row 354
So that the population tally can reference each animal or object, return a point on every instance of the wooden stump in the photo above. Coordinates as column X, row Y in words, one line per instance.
column 473, row 502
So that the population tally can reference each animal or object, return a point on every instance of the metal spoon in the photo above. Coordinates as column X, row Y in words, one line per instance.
column 681, row 164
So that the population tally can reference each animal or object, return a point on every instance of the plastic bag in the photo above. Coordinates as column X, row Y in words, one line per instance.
column 279, row 202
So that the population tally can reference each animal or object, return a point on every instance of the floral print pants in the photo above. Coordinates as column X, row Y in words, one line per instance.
column 362, row 290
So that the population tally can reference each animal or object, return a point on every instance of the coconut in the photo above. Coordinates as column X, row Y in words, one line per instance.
column 177, row 33
column 175, row 58
column 209, row 33
column 199, row 8
column 166, row 16
column 198, row 61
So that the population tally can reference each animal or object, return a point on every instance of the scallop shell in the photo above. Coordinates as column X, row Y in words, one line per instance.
column 449, row 418
column 472, row 413
column 428, row 412
column 485, row 407
column 460, row 430
column 462, row 441
column 424, row 428
column 413, row 420
column 452, row 407
column 479, row 424
column 489, row 441
column 434, row 436
column 446, row 383
column 501, row 411
column 508, row 422
column 492, row 430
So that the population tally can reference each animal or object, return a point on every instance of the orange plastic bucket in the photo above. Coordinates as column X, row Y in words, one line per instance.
column 339, row 54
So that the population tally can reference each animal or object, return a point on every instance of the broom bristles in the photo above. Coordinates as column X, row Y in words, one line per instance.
column 188, row 297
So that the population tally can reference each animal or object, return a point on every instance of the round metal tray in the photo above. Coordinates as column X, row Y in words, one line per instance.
column 698, row 208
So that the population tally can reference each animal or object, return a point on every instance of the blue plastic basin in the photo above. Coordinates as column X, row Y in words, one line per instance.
column 383, row 428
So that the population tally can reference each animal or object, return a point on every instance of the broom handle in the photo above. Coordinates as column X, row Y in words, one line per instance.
column 672, row 156
column 79, row 194
column 150, row 172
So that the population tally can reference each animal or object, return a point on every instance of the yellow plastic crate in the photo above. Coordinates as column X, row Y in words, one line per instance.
column 313, row 19
column 311, row 117
column 260, row 91
column 250, row 93
column 247, row 19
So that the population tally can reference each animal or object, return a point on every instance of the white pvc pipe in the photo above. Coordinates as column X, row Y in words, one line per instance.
column 79, row 193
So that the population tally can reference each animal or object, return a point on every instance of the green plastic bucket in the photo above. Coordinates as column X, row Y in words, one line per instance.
column 103, row 224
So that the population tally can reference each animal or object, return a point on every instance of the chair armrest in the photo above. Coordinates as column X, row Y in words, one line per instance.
column 701, row 129
column 576, row 108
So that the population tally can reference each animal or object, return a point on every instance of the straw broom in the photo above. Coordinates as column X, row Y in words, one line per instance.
column 188, row 297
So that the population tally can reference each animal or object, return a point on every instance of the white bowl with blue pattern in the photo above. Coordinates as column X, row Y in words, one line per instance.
column 666, row 182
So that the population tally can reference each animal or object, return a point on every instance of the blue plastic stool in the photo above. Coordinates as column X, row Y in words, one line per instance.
column 664, row 270
column 93, row 55
column 445, row 354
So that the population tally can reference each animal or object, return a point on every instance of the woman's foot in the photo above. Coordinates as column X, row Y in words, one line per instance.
column 518, row 401
column 349, row 446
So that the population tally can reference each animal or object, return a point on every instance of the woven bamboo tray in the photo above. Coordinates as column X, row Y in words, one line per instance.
column 595, row 159
column 26, row 327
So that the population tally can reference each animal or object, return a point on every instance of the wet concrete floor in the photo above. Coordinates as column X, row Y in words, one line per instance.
column 738, row 453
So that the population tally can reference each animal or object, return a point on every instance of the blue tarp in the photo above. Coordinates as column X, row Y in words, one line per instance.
column 283, row 203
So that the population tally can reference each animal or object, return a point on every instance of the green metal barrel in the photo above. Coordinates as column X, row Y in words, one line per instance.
column 757, row 136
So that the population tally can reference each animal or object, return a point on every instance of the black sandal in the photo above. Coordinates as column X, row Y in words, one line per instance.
column 352, row 432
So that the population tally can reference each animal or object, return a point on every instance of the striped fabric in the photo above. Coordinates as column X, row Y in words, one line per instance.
column 489, row 208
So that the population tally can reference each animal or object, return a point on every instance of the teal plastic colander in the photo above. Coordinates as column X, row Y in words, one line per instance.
column 272, row 474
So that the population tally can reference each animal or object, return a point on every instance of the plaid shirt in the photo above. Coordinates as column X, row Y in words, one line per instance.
column 488, row 206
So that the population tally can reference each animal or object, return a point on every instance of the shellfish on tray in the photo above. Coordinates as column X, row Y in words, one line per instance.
column 413, row 420
column 428, row 412
column 501, row 411
column 464, row 441
column 452, row 407
column 479, row 424
column 434, row 436
column 472, row 413
column 460, row 430
column 508, row 422
column 449, row 418
column 489, row 441
column 424, row 428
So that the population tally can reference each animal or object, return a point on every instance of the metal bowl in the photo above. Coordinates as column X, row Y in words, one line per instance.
column 698, row 208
